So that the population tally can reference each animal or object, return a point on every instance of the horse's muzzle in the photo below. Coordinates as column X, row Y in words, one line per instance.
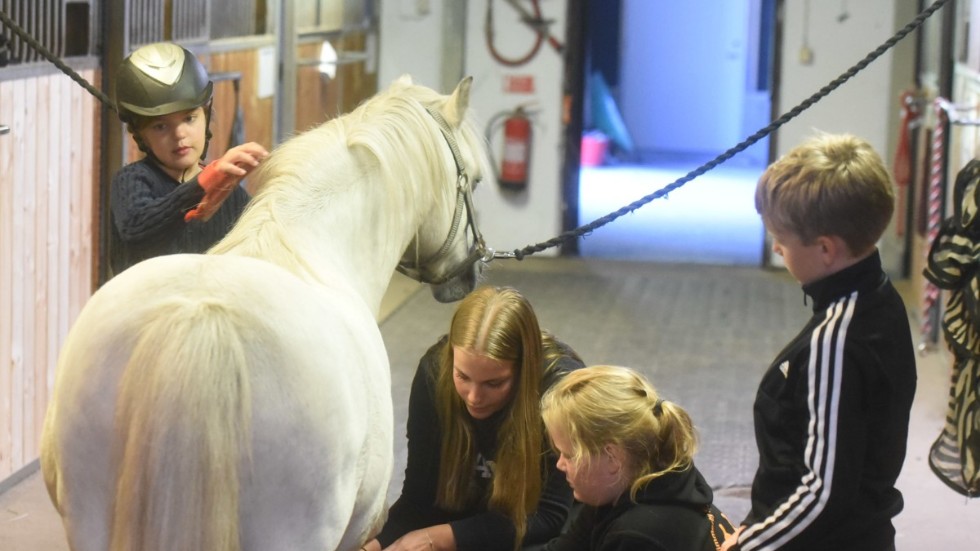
column 459, row 286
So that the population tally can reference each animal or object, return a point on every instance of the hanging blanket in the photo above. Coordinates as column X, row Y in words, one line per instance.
column 954, row 265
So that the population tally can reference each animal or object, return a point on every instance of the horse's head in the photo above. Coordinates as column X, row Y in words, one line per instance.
column 448, row 251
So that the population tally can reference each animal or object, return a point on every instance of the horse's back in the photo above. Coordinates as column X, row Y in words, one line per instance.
column 318, row 396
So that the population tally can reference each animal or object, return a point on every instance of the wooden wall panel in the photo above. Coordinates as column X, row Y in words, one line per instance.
column 357, row 84
column 311, row 90
column 48, row 186
column 29, row 182
column 6, row 278
column 47, row 96
column 16, row 362
column 320, row 99
column 257, row 111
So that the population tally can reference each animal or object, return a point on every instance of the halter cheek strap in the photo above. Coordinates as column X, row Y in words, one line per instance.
column 464, row 202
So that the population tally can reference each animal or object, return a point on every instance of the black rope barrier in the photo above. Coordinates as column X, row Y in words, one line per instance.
column 586, row 229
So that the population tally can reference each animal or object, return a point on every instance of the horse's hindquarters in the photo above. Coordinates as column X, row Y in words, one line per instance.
column 316, row 456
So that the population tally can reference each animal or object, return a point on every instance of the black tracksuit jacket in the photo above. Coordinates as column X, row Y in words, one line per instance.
column 831, row 421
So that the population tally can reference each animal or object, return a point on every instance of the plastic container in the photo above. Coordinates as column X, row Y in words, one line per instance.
column 594, row 146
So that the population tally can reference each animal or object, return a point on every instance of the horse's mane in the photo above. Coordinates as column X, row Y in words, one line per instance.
column 389, row 149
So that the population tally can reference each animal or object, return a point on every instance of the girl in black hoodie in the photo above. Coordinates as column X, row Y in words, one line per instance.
column 628, row 456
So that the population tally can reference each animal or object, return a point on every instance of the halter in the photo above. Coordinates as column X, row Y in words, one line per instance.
column 464, row 201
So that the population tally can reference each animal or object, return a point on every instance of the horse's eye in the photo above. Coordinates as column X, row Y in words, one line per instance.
column 476, row 182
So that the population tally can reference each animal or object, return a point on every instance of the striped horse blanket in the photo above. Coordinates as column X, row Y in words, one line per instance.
column 954, row 265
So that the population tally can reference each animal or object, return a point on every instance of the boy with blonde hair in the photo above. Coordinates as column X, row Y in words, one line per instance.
column 832, row 411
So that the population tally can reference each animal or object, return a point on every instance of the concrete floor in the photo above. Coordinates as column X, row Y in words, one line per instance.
column 934, row 517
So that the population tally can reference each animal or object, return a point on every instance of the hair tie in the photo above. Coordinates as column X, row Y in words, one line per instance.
column 658, row 407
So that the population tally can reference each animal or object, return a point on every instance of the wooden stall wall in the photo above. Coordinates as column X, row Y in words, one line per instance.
column 257, row 111
column 48, row 212
column 320, row 98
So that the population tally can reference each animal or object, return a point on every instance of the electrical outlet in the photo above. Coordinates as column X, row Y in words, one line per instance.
column 806, row 55
column 414, row 9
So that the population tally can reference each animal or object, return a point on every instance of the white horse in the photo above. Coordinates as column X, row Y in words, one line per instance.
column 241, row 399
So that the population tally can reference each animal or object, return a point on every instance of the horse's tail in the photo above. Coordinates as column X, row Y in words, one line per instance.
column 182, row 422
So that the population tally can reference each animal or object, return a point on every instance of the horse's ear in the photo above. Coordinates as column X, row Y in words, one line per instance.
column 404, row 80
column 459, row 101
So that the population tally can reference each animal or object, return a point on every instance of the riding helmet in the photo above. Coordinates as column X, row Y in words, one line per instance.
column 159, row 79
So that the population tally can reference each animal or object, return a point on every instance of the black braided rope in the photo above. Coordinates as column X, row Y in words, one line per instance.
column 519, row 254
column 47, row 54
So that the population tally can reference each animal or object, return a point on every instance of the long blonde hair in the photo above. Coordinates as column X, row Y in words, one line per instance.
column 499, row 323
column 602, row 405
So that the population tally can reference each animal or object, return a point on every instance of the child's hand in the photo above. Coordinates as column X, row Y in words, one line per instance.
column 220, row 177
column 240, row 160
column 731, row 542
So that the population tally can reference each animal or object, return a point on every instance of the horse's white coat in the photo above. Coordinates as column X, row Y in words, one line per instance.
column 292, row 293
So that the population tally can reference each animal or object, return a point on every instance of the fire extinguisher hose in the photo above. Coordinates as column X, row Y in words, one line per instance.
column 489, row 35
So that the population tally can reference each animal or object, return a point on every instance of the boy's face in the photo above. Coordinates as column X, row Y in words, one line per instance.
column 177, row 140
column 804, row 261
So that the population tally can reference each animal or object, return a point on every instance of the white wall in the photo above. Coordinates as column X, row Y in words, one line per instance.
column 683, row 87
column 860, row 106
column 867, row 104
column 412, row 44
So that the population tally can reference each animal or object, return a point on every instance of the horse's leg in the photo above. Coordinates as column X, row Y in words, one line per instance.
column 77, row 436
column 79, row 488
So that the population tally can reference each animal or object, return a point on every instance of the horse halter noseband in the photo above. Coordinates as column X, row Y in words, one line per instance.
column 464, row 201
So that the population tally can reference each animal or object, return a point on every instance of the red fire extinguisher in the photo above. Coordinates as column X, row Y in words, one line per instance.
column 514, row 163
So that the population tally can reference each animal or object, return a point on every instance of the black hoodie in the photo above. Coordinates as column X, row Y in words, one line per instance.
column 670, row 514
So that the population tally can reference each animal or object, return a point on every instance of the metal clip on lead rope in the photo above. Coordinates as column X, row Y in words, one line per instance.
column 503, row 254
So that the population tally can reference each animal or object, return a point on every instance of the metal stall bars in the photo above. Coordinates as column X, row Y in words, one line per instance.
column 66, row 28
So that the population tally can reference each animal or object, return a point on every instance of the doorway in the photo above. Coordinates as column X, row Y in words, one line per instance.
column 669, row 87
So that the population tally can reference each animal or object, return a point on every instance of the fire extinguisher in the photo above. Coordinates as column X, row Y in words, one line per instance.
column 516, row 157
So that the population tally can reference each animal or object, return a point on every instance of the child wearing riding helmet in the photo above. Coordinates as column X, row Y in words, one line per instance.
column 169, row 202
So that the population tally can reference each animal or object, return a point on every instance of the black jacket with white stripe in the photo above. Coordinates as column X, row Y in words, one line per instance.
column 831, row 421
